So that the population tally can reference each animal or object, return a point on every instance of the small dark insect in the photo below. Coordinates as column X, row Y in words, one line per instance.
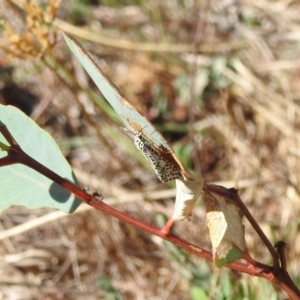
column 98, row 196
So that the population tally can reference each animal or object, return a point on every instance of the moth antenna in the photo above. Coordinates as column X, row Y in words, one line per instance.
column 128, row 132
column 123, row 126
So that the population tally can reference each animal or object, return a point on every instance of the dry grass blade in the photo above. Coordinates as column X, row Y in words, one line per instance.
column 149, row 47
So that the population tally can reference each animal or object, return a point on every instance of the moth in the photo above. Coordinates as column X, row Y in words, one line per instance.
column 165, row 169
column 146, row 138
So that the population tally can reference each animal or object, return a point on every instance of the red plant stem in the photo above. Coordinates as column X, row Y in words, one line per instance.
column 17, row 155
column 261, row 234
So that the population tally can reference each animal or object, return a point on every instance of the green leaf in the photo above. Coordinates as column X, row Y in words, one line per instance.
column 20, row 185
column 232, row 255
column 198, row 293
column 133, row 120
column 146, row 138
column 106, row 285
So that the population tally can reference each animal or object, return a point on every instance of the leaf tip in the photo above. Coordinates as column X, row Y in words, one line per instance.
column 187, row 193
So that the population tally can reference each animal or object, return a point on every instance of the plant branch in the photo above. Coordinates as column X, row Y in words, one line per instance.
column 281, row 276
column 17, row 155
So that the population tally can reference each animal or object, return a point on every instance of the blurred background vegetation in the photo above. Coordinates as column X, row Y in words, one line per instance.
column 218, row 78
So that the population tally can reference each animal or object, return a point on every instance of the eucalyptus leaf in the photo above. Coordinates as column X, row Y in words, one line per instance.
column 146, row 138
column 21, row 185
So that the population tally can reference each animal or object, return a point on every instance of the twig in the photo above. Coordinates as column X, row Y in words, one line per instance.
column 17, row 155
column 280, row 248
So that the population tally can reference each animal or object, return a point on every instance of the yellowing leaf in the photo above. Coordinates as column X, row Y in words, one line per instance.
column 227, row 233
column 187, row 193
